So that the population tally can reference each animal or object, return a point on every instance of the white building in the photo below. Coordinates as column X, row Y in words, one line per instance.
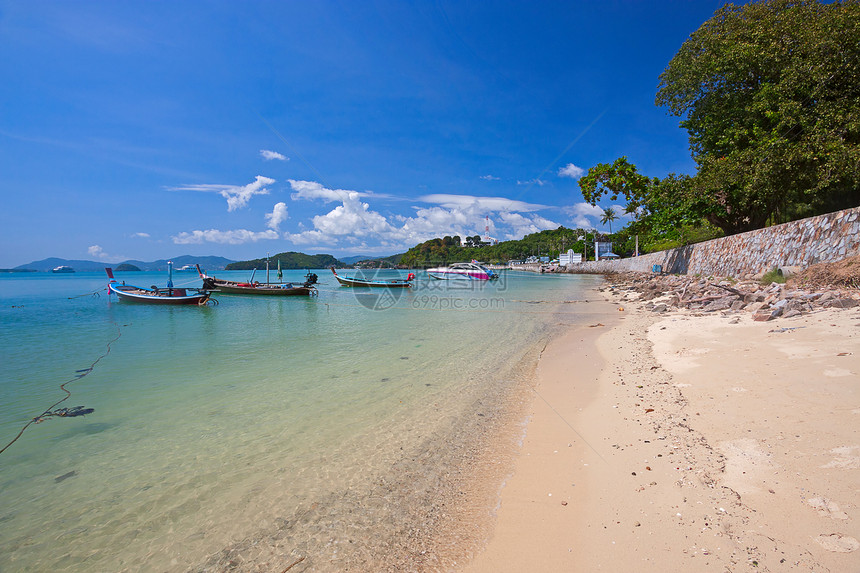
column 569, row 258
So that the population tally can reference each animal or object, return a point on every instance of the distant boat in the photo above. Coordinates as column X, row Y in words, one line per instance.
column 386, row 283
column 257, row 288
column 155, row 295
column 463, row 271
column 187, row 269
column 63, row 269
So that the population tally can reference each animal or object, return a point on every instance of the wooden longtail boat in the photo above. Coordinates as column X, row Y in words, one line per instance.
column 155, row 295
column 257, row 288
column 387, row 283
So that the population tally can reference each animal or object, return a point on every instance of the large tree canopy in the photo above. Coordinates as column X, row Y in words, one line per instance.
column 619, row 178
column 770, row 93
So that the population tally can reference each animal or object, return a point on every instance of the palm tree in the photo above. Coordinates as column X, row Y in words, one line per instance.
column 608, row 216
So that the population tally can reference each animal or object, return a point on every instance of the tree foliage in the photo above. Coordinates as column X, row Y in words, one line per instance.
column 545, row 243
column 619, row 178
column 608, row 216
column 770, row 95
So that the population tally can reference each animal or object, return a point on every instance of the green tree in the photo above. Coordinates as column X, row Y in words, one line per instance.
column 770, row 96
column 608, row 216
column 618, row 178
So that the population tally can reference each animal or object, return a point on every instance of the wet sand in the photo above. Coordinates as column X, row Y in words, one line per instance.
column 668, row 442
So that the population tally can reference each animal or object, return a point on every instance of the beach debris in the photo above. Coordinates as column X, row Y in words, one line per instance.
column 65, row 476
column 293, row 564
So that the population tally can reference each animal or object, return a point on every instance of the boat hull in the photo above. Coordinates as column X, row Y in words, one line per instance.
column 445, row 275
column 131, row 293
column 350, row 282
column 462, row 271
column 264, row 290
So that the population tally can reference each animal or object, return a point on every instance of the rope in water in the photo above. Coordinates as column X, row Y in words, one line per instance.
column 67, row 412
column 94, row 294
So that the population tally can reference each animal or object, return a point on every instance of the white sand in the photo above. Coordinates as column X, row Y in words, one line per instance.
column 689, row 443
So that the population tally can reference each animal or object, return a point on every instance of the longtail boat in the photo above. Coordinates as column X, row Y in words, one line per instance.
column 256, row 288
column 386, row 283
column 155, row 295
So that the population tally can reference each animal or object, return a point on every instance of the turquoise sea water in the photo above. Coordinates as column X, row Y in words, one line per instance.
column 263, row 426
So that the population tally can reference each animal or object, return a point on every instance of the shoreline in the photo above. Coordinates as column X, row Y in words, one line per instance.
column 538, row 507
column 704, row 442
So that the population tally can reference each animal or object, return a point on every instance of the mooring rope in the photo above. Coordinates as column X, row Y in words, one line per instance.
column 94, row 294
column 67, row 412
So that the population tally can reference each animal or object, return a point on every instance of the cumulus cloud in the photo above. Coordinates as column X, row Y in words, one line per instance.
column 491, row 204
column 277, row 216
column 237, row 196
column 140, row 235
column 311, row 190
column 352, row 220
column 233, row 237
column 98, row 253
column 354, row 224
column 521, row 225
column 587, row 216
column 572, row 171
column 270, row 155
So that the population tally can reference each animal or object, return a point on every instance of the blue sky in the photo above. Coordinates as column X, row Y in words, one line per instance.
column 148, row 130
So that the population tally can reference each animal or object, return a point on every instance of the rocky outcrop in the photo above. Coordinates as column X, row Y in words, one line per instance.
column 764, row 301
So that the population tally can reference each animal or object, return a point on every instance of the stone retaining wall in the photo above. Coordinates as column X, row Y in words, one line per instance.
column 825, row 238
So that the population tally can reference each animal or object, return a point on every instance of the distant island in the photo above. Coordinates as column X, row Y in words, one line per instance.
column 288, row 260
column 46, row 265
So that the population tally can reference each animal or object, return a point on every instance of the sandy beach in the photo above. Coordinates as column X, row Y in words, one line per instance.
column 688, row 441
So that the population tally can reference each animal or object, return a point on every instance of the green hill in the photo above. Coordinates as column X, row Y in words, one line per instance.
column 289, row 260
column 452, row 250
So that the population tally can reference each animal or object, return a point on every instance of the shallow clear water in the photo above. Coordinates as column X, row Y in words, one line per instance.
column 291, row 422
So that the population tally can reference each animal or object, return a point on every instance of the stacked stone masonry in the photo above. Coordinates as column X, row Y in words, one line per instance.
column 825, row 238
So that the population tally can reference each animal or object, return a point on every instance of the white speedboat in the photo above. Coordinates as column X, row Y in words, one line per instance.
column 463, row 271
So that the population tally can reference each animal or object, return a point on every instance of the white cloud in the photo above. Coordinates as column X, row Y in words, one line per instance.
column 587, row 216
column 270, row 155
column 237, row 196
column 538, row 182
column 277, row 216
column 140, row 235
column 98, row 253
column 312, row 190
column 492, row 204
column 489, row 178
column 353, row 224
column 234, row 237
column 585, row 209
column 572, row 171
column 521, row 225
column 351, row 221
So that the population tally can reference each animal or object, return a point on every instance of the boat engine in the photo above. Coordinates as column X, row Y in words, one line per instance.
column 310, row 279
column 209, row 284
